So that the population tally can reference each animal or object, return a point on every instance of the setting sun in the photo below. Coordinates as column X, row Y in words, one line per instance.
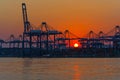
column 76, row 45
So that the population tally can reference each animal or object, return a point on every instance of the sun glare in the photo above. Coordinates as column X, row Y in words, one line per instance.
column 76, row 45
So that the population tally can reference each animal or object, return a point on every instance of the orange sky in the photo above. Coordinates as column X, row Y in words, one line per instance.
column 79, row 16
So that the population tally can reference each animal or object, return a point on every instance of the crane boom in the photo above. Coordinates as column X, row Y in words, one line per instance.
column 25, row 18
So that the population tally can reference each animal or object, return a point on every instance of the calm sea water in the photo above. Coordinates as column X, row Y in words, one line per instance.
column 59, row 69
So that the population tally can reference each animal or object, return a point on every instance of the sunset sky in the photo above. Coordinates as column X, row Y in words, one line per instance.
column 79, row 16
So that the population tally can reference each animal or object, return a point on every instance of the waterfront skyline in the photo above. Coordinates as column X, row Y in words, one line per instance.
column 79, row 16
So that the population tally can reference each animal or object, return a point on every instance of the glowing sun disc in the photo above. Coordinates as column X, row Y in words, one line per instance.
column 76, row 45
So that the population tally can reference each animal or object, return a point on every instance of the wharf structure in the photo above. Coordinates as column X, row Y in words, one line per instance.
column 45, row 41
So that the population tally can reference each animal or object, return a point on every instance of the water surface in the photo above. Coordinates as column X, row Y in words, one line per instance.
column 59, row 69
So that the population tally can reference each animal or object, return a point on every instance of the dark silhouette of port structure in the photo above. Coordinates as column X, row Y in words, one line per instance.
column 45, row 41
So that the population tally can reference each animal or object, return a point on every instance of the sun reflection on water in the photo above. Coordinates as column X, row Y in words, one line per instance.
column 76, row 75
